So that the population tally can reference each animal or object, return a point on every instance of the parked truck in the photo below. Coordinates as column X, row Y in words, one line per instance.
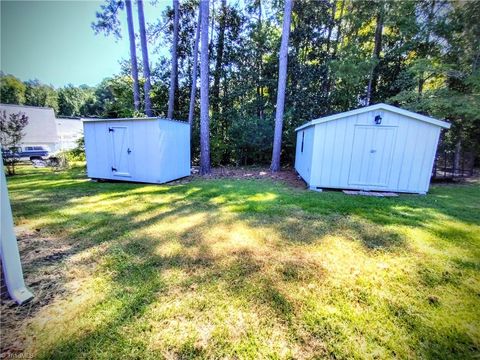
column 27, row 152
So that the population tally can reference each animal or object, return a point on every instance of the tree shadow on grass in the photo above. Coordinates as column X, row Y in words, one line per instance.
column 244, row 276
column 282, row 212
column 296, row 217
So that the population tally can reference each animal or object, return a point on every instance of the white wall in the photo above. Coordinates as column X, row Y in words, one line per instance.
column 174, row 150
column 160, row 149
column 335, row 160
column 96, row 150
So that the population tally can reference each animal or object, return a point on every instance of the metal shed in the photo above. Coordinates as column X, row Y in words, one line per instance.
column 379, row 147
column 152, row 150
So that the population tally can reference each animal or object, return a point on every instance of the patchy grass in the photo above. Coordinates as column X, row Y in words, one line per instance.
column 251, row 269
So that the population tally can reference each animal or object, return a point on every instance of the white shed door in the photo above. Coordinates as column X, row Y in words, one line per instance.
column 120, row 150
column 372, row 155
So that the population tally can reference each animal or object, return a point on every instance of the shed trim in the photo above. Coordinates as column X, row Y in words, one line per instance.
column 132, row 119
column 380, row 106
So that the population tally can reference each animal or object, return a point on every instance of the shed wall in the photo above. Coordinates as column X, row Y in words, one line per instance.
column 96, row 150
column 160, row 150
column 407, row 169
column 303, row 158
column 174, row 150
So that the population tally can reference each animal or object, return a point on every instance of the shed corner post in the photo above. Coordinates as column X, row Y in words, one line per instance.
column 11, row 265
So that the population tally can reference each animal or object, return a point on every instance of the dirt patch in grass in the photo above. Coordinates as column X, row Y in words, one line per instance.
column 44, row 273
column 287, row 175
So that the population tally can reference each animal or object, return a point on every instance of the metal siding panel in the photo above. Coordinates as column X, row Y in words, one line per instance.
column 407, row 145
column 429, row 142
column 347, row 150
column 144, row 138
column 415, row 153
column 416, row 147
column 156, row 157
column 102, row 157
column 88, row 131
column 399, row 154
column 418, row 165
column 430, row 158
column 299, row 158
column 406, row 167
column 320, row 142
column 328, row 153
column 303, row 160
column 340, row 151
column 174, row 151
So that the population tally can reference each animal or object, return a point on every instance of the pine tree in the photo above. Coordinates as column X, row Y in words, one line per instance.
column 282, row 83
column 204, row 101
column 146, row 67
column 174, row 72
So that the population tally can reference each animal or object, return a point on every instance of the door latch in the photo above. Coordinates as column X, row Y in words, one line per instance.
column 129, row 151
column 114, row 169
column 111, row 129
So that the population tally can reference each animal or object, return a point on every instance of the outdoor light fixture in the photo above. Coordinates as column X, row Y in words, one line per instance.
column 378, row 119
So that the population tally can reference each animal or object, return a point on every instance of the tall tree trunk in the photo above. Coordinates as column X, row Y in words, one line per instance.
column 146, row 67
column 421, row 78
column 173, row 74
column 330, row 27
column 210, row 46
column 457, row 158
column 204, row 82
column 194, row 69
column 219, row 59
column 282, row 83
column 133, row 55
column 331, row 75
column 372, row 82
column 260, row 104
column 328, row 55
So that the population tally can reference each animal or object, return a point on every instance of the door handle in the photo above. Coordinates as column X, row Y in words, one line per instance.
column 129, row 151
column 373, row 151
column 114, row 169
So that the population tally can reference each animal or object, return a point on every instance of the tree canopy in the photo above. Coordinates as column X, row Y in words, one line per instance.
column 422, row 55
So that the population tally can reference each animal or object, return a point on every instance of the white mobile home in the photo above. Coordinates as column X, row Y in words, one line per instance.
column 152, row 150
column 379, row 147
column 44, row 129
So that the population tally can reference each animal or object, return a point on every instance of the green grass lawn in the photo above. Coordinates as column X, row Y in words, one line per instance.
column 252, row 269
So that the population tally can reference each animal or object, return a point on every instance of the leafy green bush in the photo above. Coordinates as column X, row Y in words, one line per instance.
column 78, row 152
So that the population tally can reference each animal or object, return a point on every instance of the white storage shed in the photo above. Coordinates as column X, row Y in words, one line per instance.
column 379, row 147
column 152, row 150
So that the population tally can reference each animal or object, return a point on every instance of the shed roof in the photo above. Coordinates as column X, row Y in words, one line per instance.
column 380, row 106
column 130, row 119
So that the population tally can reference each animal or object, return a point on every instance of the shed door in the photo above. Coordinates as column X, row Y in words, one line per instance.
column 372, row 155
column 120, row 150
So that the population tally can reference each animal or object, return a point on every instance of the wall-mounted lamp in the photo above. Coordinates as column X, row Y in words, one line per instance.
column 378, row 119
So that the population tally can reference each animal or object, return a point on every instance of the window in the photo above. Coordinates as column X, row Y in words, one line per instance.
column 29, row 148
column 37, row 148
column 303, row 140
